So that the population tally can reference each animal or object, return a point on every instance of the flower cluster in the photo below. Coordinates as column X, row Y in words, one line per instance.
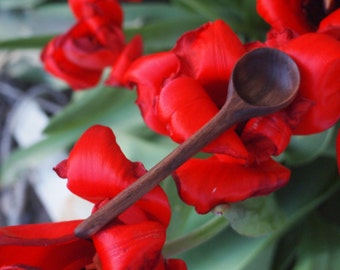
column 95, row 42
column 96, row 170
column 178, row 91
column 191, row 85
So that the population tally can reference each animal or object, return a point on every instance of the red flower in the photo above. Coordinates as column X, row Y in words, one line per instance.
column 109, row 9
column 131, row 52
column 184, row 84
column 318, row 59
column 220, row 179
column 97, row 170
column 44, row 246
column 309, row 32
column 301, row 16
column 316, row 107
column 187, row 90
column 95, row 41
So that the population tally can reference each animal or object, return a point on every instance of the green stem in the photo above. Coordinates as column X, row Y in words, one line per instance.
column 195, row 238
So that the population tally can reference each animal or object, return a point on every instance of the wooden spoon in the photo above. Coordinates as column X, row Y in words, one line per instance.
column 263, row 81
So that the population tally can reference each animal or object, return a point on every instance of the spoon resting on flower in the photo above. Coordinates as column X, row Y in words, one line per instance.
column 263, row 81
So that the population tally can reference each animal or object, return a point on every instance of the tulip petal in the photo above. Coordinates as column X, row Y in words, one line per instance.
column 318, row 60
column 56, row 62
column 267, row 135
column 185, row 107
column 330, row 25
column 149, row 74
column 93, row 43
column 97, row 168
column 18, row 267
column 132, row 51
column 175, row 264
column 170, row 264
column 154, row 206
column 136, row 246
column 213, row 181
column 282, row 14
column 45, row 246
column 108, row 9
column 208, row 54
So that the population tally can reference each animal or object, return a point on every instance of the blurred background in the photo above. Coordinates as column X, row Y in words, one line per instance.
column 28, row 98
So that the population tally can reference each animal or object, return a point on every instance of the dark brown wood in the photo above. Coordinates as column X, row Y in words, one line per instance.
column 263, row 81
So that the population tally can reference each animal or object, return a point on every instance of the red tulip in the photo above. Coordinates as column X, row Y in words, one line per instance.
column 97, row 170
column 132, row 51
column 108, row 9
column 96, row 41
column 206, row 183
column 309, row 32
column 44, row 246
column 188, row 89
column 166, row 99
column 150, row 83
column 318, row 59
column 208, row 54
column 300, row 16
column 184, row 99
column 56, row 62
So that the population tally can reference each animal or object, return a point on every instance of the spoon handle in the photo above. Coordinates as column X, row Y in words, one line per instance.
column 221, row 122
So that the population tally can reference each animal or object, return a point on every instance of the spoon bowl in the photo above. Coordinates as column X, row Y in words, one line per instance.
column 263, row 81
column 266, row 77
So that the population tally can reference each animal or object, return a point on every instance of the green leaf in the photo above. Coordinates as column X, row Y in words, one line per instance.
column 145, row 13
column 183, row 216
column 304, row 149
column 195, row 238
column 306, row 184
column 159, row 24
column 35, row 42
column 240, row 15
column 204, row 8
column 163, row 34
column 148, row 151
column 255, row 216
column 229, row 250
column 24, row 30
column 286, row 248
column 331, row 208
column 319, row 247
column 310, row 186
column 102, row 105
